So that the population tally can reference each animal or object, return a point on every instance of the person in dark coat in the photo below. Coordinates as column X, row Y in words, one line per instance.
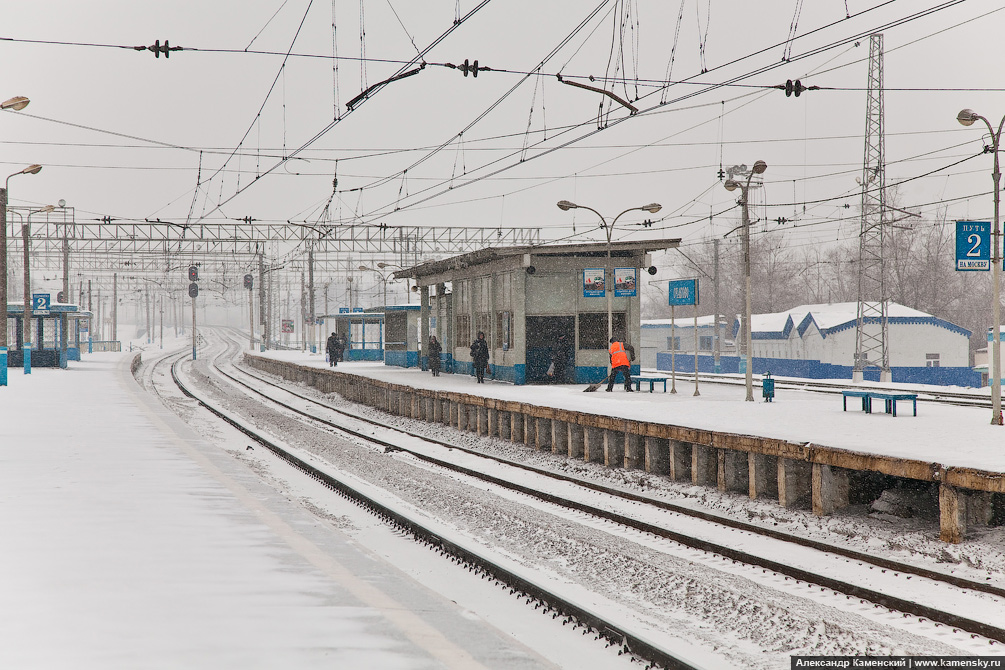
column 340, row 348
column 332, row 346
column 434, row 355
column 480, row 356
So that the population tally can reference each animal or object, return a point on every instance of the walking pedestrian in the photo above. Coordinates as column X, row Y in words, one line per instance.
column 480, row 356
column 620, row 364
column 434, row 355
column 331, row 345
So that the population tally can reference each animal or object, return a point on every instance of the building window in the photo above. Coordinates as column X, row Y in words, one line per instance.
column 931, row 360
column 503, row 329
column 705, row 342
column 673, row 343
column 463, row 329
column 593, row 329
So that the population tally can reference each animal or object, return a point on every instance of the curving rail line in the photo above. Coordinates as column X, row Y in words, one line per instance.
column 560, row 606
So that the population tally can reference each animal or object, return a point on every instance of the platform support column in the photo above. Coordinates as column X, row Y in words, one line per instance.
column 575, row 435
column 614, row 449
column 542, row 439
column 681, row 457
column 482, row 427
column 593, row 444
column 794, row 482
column 704, row 465
column 529, row 430
column 559, row 437
column 633, row 451
column 762, row 476
column 505, row 425
column 952, row 514
column 829, row 489
column 492, row 427
column 732, row 470
column 516, row 427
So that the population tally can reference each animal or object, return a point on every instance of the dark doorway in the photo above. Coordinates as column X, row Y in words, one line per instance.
column 551, row 339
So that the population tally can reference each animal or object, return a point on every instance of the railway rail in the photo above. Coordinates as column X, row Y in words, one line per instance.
column 638, row 645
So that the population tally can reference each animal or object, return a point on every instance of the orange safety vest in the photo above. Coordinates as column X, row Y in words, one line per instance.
column 618, row 356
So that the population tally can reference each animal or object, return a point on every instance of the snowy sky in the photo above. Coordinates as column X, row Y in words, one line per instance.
column 122, row 134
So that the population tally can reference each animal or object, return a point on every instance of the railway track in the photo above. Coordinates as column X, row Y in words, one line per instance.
column 696, row 529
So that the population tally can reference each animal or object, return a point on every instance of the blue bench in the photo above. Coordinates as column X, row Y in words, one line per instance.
column 652, row 381
column 890, row 400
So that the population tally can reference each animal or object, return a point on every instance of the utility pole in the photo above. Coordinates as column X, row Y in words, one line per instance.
column 871, row 328
column 115, row 306
column 261, row 300
column 310, row 297
column 717, row 367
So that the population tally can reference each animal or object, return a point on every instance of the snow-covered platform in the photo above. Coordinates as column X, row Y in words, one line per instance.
column 803, row 447
column 130, row 542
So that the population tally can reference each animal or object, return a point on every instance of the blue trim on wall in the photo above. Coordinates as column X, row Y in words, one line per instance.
column 847, row 325
column 402, row 359
column 364, row 355
column 812, row 369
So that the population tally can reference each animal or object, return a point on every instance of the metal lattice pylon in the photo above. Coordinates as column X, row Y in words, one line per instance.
column 871, row 331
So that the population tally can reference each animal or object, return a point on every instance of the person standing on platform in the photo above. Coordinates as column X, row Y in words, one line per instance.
column 620, row 363
column 480, row 356
column 434, row 355
column 332, row 346
column 340, row 348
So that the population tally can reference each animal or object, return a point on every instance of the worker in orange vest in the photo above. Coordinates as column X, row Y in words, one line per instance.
column 620, row 363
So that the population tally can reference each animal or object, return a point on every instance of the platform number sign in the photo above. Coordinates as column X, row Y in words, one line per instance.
column 40, row 302
column 973, row 246
column 683, row 292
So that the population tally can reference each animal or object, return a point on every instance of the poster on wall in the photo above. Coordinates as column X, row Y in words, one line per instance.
column 287, row 325
column 624, row 282
column 593, row 283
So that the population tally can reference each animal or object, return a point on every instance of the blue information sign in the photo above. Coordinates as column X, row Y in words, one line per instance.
column 973, row 245
column 683, row 292
column 357, row 309
column 343, row 310
column 40, row 302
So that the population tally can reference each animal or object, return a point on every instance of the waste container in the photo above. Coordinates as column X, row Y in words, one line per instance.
column 768, row 387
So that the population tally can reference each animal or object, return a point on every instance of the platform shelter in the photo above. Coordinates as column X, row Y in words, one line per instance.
column 55, row 335
column 536, row 305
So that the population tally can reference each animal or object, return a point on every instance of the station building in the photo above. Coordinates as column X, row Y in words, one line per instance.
column 533, row 303
column 818, row 342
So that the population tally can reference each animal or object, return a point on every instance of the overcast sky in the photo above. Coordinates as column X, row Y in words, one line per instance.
column 122, row 133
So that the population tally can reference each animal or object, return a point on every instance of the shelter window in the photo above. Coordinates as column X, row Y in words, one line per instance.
column 503, row 330
column 593, row 329
column 483, row 324
column 463, row 329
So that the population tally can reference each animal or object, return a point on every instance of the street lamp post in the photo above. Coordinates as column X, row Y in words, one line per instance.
column 967, row 117
column 26, row 321
column 14, row 104
column 744, row 186
column 383, row 279
column 652, row 208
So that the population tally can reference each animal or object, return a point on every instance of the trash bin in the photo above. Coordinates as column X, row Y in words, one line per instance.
column 768, row 387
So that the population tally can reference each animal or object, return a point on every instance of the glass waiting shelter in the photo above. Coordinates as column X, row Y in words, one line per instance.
column 50, row 349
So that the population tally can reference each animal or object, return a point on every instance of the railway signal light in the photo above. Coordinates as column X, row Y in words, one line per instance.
column 193, row 273
column 193, row 291
column 249, row 282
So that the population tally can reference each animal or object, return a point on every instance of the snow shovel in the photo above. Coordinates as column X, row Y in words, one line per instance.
column 593, row 387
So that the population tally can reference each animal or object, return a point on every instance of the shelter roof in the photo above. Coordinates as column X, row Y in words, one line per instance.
column 490, row 254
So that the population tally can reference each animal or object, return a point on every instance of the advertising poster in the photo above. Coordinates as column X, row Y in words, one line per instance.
column 624, row 282
column 593, row 283
column 287, row 325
